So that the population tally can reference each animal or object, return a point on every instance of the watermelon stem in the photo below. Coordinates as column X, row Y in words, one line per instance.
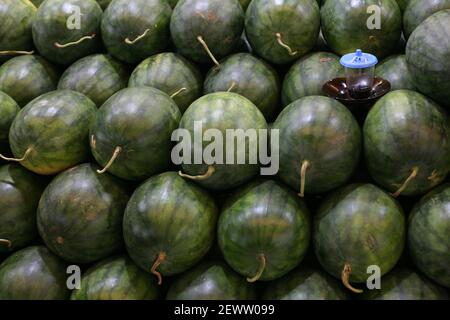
column 284, row 45
column 402, row 188
column 116, row 153
column 160, row 259
column 205, row 46
column 233, row 84
column 16, row 159
column 345, row 276
column 128, row 41
column 305, row 165
column 262, row 266
column 178, row 92
column 69, row 44
column 6, row 242
column 7, row 53
column 202, row 177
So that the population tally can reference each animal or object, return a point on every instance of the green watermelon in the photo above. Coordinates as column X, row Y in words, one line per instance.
column 308, row 75
column 80, row 214
column 97, row 76
column 305, row 284
column 67, row 30
column 16, row 17
column 24, row 78
column 407, row 143
column 327, row 141
column 355, row 227
column 130, row 136
column 428, row 235
column 282, row 31
column 395, row 70
column 104, row 3
column 8, row 111
column 51, row 133
column 116, row 278
column 33, row 273
column 133, row 30
column 345, row 26
column 206, row 30
column 20, row 191
column 248, row 76
column 222, row 111
column 418, row 10
column 406, row 284
column 264, row 231
column 169, row 225
column 427, row 55
column 211, row 281
column 172, row 74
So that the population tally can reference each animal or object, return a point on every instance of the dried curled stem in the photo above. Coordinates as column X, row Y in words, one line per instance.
column 116, row 153
column 233, row 84
column 405, row 184
column 305, row 165
column 262, row 266
column 201, row 177
column 25, row 156
column 284, row 45
column 13, row 52
column 345, row 276
column 173, row 95
column 205, row 46
column 69, row 44
column 140, row 37
column 6, row 242
column 160, row 259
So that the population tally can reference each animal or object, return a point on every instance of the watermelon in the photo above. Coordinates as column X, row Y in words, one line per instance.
column 418, row 10
column 264, row 231
column 407, row 143
column 348, row 26
column 222, row 111
column 282, row 31
column 51, row 133
column 97, row 76
column 395, row 70
column 24, row 78
column 169, row 225
column 172, row 74
column 80, row 214
column 20, row 191
column 67, row 30
column 308, row 75
column 8, row 111
column 377, row 236
column 206, row 30
column 16, row 17
column 406, row 284
column 211, row 281
column 427, row 55
column 248, row 76
column 132, row 30
column 328, row 144
column 428, row 235
column 33, row 273
column 130, row 136
column 305, row 284
column 116, row 278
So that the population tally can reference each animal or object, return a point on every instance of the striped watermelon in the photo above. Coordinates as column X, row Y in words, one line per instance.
column 8, row 111
column 395, row 69
column 418, row 11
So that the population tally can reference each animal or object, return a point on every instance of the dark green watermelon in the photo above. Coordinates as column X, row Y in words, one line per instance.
column 345, row 26
column 395, row 70
column 8, row 111
column 33, row 273
column 80, row 214
column 130, row 136
column 16, row 17
column 133, row 30
column 67, row 30
column 407, row 143
column 406, row 284
column 51, row 133
column 221, row 111
column 427, row 55
column 264, row 231
column 282, row 31
column 206, row 30
column 20, row 191
column 116, row 278
column 97, row 76
column 308, row 75
column 172, row 74
column 27, row 77
column 211, row 281
column 305, row 284
column 428, row 235
column 248, row 76
column 418, row 10
column 355, row 227
column 327, row 141
column 169, row 225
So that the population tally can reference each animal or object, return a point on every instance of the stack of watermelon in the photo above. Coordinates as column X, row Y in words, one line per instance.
column 89, row 184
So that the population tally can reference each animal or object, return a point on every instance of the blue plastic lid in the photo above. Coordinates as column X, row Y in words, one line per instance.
column 359, row 60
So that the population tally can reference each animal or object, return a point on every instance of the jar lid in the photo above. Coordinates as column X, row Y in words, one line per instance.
column 359, row 60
